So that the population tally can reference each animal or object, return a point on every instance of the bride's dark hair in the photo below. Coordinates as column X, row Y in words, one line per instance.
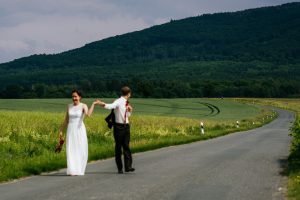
column 77, row 91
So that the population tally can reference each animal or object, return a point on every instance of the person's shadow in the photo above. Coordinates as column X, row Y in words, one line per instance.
column 64, row 174
column 103, row 172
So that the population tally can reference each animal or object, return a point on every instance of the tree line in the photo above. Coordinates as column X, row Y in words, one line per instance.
column 159, row 89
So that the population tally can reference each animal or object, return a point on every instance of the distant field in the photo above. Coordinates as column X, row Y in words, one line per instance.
column 218, row 109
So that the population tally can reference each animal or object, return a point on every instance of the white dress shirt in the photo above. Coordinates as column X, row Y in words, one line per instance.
column 119, row 107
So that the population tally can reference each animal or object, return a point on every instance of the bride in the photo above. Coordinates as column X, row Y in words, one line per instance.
column 76, row 143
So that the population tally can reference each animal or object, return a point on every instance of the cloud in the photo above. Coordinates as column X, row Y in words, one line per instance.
column 52, row 26
column 35, row 31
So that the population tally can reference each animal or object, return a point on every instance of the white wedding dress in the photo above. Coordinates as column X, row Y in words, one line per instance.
column 76, row 144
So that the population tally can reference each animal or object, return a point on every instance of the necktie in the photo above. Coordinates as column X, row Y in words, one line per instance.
column 126, row 104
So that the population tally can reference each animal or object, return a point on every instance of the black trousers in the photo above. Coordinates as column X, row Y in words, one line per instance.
column 122, row 138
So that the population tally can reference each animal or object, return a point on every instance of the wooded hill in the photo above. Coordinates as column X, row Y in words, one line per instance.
column 252, row 53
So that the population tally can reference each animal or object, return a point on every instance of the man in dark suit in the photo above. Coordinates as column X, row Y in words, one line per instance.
column 122, row 112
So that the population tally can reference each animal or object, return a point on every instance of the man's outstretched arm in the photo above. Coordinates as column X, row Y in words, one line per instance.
column 108, row 106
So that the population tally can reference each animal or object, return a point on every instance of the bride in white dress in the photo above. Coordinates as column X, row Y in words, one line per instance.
column 76, row 142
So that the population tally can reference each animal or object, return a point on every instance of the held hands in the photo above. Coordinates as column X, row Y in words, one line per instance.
column 99, row 102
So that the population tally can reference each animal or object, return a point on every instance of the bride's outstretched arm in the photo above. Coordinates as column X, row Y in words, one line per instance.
column 64, row 124
column 88, row 112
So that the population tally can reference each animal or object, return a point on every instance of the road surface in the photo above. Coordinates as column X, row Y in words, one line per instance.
column 245, row 165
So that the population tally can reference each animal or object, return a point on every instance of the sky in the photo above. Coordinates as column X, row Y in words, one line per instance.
column 30, row 27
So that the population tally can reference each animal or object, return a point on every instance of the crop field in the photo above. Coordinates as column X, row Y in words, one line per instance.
column 29, row 128
column 217, row 109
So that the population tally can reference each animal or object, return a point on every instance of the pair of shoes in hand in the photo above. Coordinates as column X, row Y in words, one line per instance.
column 59, row 145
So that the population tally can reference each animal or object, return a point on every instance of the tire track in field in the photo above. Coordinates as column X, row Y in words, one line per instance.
column 213, row 110
column 171, row 107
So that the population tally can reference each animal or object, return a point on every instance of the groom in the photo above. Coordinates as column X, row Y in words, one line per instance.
column 122, row 111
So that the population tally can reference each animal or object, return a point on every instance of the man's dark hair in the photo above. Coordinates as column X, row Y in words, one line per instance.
column 125, row 90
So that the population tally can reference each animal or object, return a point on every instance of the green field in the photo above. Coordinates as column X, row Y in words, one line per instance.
column 217, row 109
column 29, row 129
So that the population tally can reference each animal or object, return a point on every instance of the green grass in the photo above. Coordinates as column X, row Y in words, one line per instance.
column 27, row 139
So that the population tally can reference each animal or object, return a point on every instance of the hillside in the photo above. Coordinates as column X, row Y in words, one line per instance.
column 254, row 52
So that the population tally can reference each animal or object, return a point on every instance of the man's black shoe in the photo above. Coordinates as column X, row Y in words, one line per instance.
column 129, row 169
column 120, row 171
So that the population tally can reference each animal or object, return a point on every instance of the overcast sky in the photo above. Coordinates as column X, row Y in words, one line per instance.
column 51, row 26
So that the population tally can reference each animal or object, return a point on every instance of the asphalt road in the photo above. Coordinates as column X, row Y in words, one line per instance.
column 245, row 165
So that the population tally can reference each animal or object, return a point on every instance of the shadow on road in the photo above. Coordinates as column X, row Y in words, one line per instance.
column 95, row 172
column 283, row 163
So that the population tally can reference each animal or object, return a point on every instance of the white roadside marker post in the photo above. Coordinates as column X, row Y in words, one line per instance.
column 237, row 124
column 202, row 128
